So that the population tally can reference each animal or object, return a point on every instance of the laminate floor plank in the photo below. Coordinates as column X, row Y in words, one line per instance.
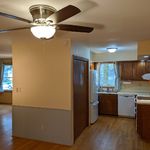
column 108, row 133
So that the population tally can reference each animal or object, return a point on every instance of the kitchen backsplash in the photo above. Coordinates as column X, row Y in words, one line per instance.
column 135, row 86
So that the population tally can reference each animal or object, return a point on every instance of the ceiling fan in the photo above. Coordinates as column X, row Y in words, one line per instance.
column 46, row 21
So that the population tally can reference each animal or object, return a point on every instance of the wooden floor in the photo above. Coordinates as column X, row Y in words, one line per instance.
column 108, row 133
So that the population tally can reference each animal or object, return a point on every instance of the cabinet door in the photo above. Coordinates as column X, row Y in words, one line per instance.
column 126, row 70
column 143, row 121
column 138, row 70
column 147, row 67
column 108, row 104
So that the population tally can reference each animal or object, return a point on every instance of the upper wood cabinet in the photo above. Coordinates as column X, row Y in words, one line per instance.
column 126, row 70
column 138, row 70
column 133, row 70
column 147, row 67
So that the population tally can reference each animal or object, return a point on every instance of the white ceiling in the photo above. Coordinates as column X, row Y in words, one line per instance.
column 118, row 23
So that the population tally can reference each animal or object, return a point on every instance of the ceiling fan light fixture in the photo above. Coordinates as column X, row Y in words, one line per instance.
column 43, row 31
column 46, row 21
column 112, row 50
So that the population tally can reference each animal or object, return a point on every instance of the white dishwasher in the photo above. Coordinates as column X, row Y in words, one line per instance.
column 126, row 105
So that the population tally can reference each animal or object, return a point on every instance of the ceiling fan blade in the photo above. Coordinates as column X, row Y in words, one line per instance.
column 64, row 14
column 87, row 24
column 74, row 28
column 14, row 17
column 7, row 30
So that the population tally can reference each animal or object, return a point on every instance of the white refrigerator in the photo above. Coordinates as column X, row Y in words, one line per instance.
column 93, row 97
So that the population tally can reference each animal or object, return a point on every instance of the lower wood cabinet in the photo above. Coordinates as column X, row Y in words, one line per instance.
column 143, row 121
column 108, row 104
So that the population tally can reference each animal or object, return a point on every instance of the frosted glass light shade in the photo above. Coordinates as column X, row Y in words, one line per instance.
column 112, row 50
column 43, row 32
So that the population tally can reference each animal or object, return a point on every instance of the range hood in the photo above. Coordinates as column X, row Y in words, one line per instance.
column 146, row 76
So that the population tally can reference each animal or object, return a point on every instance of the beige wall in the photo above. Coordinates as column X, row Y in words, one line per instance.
column 42, row 73
column 144, row 47
column 6, row 97
column 118, row 56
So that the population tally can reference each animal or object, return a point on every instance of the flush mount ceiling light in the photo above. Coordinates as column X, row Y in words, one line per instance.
column 112, row 50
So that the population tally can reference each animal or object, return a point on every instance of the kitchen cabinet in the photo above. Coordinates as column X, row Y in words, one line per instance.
column 126, row 70
column 133, row 70
column 138, row 70
column 147, row 67
column 143, row 121
column 108, row 104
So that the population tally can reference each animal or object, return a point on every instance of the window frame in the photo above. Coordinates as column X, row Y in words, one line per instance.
column 114, row 77
column 6, row 90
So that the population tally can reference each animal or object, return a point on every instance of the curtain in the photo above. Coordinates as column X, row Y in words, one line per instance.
column 98, row 75
column 1, row 76
column 117, row 79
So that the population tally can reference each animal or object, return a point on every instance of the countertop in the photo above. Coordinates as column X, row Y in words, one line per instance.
column 142, row 94
column 107, row 92
column 142, row 97
column 138, row 93
column 144, row 102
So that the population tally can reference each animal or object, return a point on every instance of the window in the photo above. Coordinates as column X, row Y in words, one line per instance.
column 107, row 75
column 7, row 77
